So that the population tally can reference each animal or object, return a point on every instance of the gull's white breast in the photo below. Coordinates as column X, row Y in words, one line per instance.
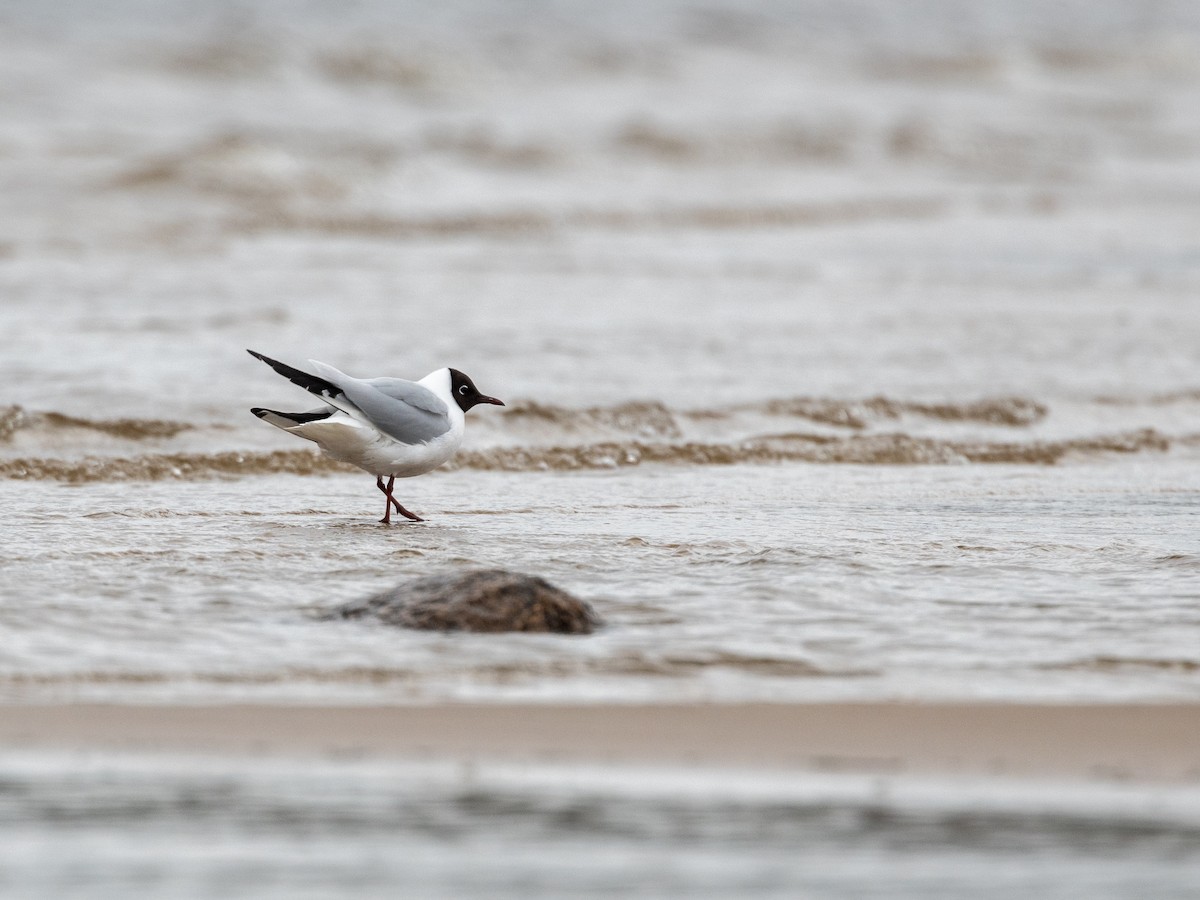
column 352, row 441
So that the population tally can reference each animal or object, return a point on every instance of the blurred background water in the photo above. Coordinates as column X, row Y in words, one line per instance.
column 79, row 826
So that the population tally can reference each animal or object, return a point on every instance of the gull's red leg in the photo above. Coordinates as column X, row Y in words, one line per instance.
column 400, row 509
column 388, row 500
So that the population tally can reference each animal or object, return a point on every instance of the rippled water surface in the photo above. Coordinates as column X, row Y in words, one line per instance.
column 203, row 828
column 793, row 581
column 846, row 354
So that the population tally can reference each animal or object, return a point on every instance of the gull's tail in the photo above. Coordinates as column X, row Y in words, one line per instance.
column 291, row 420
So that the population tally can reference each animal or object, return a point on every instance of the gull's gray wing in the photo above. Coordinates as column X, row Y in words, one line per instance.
column 403, row 410
column 410, row 392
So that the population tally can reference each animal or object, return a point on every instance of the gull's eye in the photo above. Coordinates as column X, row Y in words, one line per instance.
column 463, row 390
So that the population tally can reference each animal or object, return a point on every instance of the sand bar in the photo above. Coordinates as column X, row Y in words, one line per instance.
column 1152, row 742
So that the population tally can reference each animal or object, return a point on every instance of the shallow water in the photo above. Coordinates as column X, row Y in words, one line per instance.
column 205, row 827
column 846, row 354
column 795, row 581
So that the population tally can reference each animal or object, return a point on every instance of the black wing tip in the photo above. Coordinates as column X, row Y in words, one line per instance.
column 262, row 357
column 259, row 411
column 306, row 380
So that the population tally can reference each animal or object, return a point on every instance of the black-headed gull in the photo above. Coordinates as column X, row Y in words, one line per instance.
column 385, row 426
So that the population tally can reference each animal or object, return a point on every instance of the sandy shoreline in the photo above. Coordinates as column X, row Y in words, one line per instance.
column 1118, row 741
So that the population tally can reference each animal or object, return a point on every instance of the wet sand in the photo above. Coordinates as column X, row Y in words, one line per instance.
column 1110, row 742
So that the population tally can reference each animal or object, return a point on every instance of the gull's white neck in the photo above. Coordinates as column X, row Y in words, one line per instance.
column 438, row 381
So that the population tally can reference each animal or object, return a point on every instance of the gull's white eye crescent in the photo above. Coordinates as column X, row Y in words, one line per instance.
column 463, row 389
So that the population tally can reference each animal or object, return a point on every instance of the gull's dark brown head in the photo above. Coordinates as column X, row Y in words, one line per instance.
column 466, row 394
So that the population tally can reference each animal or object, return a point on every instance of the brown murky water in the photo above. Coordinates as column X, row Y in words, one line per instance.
column 848, row 354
